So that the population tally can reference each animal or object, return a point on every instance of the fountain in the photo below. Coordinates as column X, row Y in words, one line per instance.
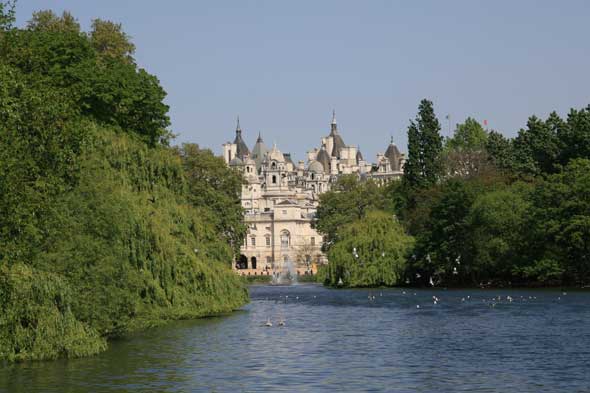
column 285, row 275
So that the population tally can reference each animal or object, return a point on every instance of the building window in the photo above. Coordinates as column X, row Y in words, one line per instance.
column 267, row 241
column 313, row 241
column 269, row 262
column 253, row 241
column 274, row 179
column 284, row 212
column 285, row 239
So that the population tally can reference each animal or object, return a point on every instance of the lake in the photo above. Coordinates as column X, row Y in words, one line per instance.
column 346, row 341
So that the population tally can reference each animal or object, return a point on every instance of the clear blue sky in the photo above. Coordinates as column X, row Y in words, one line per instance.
column 284, row 65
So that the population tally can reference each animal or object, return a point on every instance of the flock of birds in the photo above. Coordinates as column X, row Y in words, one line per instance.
column 492, row 302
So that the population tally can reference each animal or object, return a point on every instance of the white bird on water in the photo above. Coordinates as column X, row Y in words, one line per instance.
column 268, row 323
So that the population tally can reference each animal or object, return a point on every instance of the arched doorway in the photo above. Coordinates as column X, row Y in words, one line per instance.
column 242, row 262
column 253, row 262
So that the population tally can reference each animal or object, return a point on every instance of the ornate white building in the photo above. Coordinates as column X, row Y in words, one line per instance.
column 280, row 197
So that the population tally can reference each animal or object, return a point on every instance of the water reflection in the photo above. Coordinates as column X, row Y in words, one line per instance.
column 345, row 340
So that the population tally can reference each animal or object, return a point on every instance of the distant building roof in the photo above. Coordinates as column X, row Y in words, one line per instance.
column 259, row 151
column 236, row 161
column 316, row 167
column 324, row 158
column 394, row 156
column 241, row 147
column 288, row 158
column 359, row 156
column 338, row 143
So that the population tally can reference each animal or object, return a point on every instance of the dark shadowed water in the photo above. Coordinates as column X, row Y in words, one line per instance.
column 340, row 341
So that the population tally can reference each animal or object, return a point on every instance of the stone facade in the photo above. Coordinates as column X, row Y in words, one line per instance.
column 280, row 197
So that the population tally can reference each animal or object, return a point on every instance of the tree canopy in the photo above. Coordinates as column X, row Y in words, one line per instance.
column 104, row 229
column 371, row 251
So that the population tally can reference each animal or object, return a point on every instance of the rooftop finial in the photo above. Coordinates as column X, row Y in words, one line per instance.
column 392, row 139
column 259, row 140
column 238, row 125
column 334, row 126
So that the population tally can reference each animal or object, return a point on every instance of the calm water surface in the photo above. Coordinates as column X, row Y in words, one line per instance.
column 339, row 340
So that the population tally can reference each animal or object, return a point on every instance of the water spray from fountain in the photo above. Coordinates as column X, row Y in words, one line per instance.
column 285, row 275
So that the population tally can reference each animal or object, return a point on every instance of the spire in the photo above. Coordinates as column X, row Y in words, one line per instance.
column 391, row 140
column 238, row 129
column 241, row 148
column 334, row 126
column 259, row 140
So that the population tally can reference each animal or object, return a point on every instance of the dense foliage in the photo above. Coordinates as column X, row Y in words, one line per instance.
column 483, row 209
column 370, row 251
column 102, row 228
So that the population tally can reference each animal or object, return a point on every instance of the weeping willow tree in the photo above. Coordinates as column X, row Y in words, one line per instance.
column 100, row 230
column 370, row 251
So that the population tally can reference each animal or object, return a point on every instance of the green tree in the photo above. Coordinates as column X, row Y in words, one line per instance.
column 464, row 154
column 497, row 223
column 537, row 147
column 48, row 21
column 115, row 93
column 7, row 15
column 110, row 41
column 560, row 223
column 100, row 229
column 500, row 151
column 212, row 185
column 469, row 135
column 348, row 201
column 423, row 167
column 371, row 251
column 575, row 136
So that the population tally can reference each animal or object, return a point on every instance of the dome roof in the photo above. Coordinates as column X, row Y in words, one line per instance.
column 288, row 158
column 316, row 167
column 394, row 156
column 275, row 154
column 248, row 161
column 323, row 158
column 236, row 161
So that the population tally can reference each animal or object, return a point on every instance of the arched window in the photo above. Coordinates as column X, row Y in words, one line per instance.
column 253, row 262
column 242, row 262
column 273, row 165
column 285, row 239
column 312, row 176
column 274, row 179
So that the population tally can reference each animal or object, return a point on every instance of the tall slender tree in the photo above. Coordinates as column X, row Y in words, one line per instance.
column 423, row 167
